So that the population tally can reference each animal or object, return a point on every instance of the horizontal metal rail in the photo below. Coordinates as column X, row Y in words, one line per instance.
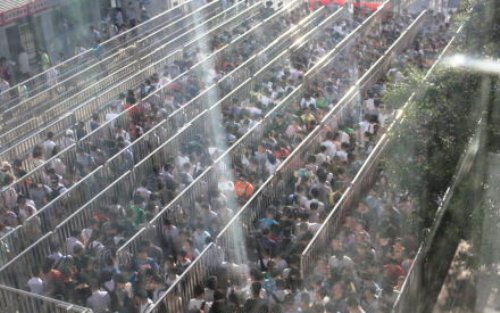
column 122, row 40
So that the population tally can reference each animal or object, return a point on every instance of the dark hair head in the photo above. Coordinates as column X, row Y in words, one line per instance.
column 256, row 287
column 212, row 282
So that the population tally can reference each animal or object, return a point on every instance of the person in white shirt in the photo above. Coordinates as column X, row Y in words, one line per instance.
column 369, row 105
column 308, row 102
column 24, row 64
column 35, row 283
column 344, row 137
column 366, row 127
column 100, row 300
column 68, row 139
column 198, row 302
column 52, row 77
column 331, row 143
column 111, row 115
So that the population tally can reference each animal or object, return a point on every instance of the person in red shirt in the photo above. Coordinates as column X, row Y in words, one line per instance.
column 130, row 106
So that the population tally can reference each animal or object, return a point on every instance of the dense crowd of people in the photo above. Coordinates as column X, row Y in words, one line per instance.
column 365, row 264
column 206, row 226
column 142, row 116
column 180, row 158
column 74, row 42
column 368, row 257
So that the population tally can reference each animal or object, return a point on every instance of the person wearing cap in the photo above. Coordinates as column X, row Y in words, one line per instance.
column 35, row 283
column 67, row 140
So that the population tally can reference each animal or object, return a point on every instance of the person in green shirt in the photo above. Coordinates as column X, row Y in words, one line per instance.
column 138, row 213
column 44, row 60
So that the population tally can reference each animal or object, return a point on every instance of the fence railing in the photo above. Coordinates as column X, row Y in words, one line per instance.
column 229, row 239
column 20, row 301
column 93, row 75
column 411, row 292
column 157, row 144
column 101, row 103
column 178, row 209
column 78, row 62
column 367, row 173
column 119, row 189
column 33, row 256
column 101, row 93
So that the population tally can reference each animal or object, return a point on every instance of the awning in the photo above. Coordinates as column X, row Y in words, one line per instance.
column 12, row 10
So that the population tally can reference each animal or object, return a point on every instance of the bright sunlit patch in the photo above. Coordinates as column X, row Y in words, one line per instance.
column 458, row 60
column 487, row 66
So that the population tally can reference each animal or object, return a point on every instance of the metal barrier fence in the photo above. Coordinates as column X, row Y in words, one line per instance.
column 38, row 250
column 226, row 241
column 100, row 104
column 82, row 60
column 94, row 74
column 81, row 218
column 20, row 301
column 17, row 271
column 10, row 272
column 118, row 164
column 115, row 80
column 367, row 173
column 206, row 180
column 409, row 297
column 197, row 269
column 428, row 269
column 196, row 105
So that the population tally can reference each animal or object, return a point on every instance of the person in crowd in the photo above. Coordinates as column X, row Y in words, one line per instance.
column 143, row 303
column 99, row 301
column 44, row 60
column 94, row 34
column 35, row 283
column 48, row 145
column 255, row 304
column 24, row 64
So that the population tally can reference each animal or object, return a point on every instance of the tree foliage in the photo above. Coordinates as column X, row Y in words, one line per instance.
column 434, row 134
